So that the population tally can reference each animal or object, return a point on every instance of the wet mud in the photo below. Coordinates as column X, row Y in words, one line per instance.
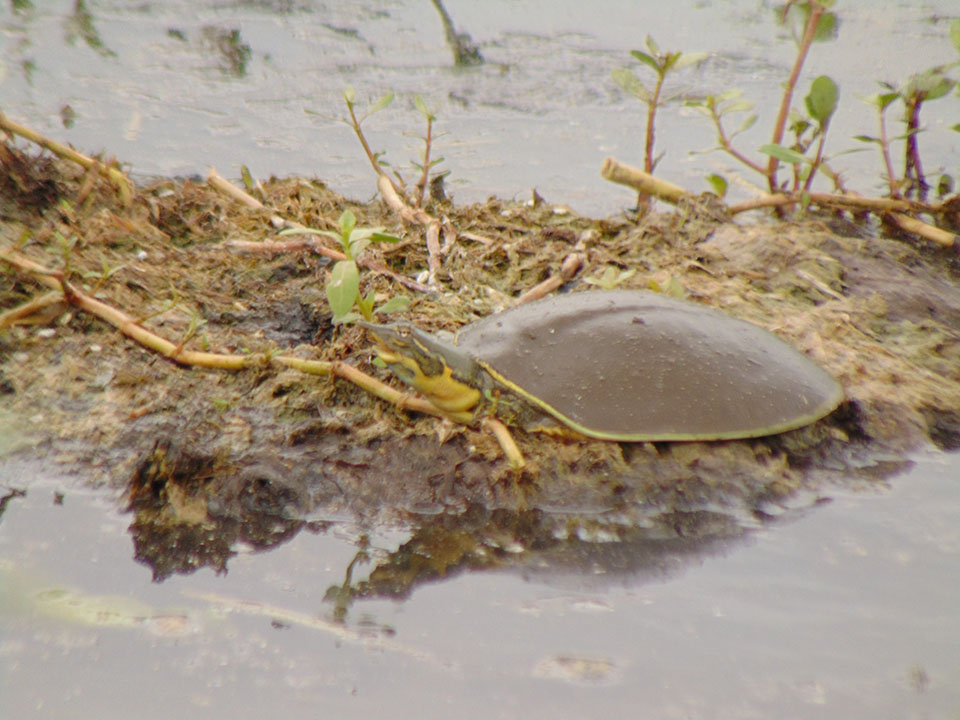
column 208, row 458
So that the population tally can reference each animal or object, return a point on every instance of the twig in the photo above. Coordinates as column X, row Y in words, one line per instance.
column 913, row 168
column 651, row 117
column 218, row 182
column 890, row 208
column 10, row 317
column 129, row 327
column 818, row 159
column 570, row 267
column 924, row 230
column 644, row 182
column 505, row 438
column 414, row 215
column 275, row 247
column 121, row 182
column 829, row 200
column 648, row 185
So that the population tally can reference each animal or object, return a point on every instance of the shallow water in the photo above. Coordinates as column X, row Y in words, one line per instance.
column 168, row 88
column 845, row 610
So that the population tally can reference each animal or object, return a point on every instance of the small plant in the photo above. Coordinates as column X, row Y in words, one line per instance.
column 426, row 164
column 809, row 22
column 662, row 63
column 931, row 84
column 343, row 284
column 809, row 129
column 610, row 278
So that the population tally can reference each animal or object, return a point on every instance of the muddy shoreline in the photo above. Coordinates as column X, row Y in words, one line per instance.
column 207, row 457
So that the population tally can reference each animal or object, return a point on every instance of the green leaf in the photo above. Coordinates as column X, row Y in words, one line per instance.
column 928, row 85
column 955, row 33
column 718, row 183
column 747, row 124
column 866, row 138
column 342, row 288
column 784, row 154
column 398, row 303
column 688, row 59
column 247, row 178
column 731, row 94
column 669, row 61
column 611, row 277
column 365, row 304
column 827, row 27
column 378, row 236
column 357, row 246
column 646, row 60
column 822, row 100
column 738, row 106
column 422, row 108
column 941, row 88
column 652, row 45
column 881, row 101
column 348, row 318
column 945, row 185
column 381, row 103
column 630, row 83
column 347, row 222
column 348, row 95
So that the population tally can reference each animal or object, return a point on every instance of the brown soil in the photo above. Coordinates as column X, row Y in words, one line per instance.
column 209, row 456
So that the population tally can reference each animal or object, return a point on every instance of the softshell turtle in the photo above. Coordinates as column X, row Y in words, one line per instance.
column 617, row 365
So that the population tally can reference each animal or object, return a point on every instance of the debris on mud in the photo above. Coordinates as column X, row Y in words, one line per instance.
column 210, row 457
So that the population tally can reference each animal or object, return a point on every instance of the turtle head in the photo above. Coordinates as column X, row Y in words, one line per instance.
column 450, row 378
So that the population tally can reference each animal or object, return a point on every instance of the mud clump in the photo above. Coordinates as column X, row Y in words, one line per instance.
column 210, row 457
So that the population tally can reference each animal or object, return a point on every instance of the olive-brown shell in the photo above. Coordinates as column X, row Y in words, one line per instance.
column 634, row 365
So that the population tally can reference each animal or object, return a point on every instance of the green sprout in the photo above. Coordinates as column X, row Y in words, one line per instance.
column 343, row 284
column 662, row 63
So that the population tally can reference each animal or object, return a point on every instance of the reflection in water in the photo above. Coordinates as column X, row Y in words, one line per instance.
column 11, row 494
column 181, row 524
column 80, row 25
column 465, row 52
column 538, row 544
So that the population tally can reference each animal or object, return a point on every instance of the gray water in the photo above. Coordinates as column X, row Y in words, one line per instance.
column 846, row 610
column 167, row 88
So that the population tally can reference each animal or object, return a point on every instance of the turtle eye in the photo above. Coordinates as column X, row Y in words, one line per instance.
column 403, row 331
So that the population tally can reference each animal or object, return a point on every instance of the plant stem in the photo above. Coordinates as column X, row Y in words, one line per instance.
column 371, row 156
column 422, row 184
column 818, row 159
column 651, row 115
column 885, row 149
column 728, row 146
column 913, row 170
column 816, row 11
